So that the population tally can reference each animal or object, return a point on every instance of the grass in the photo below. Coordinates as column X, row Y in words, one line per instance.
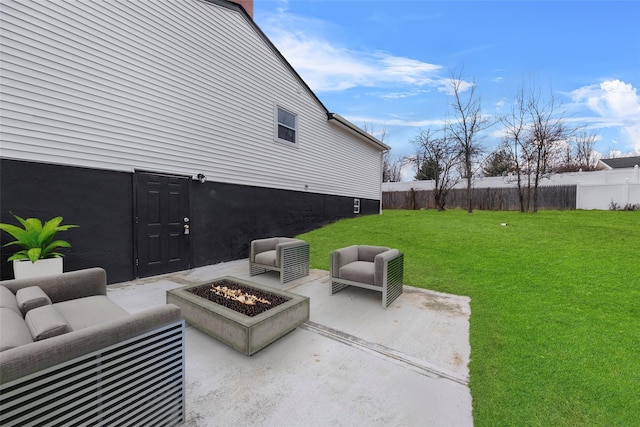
column 555, row 304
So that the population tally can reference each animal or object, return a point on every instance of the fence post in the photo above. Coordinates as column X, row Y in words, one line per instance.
column 636, row 173
column 578, row 198
column 626, row 192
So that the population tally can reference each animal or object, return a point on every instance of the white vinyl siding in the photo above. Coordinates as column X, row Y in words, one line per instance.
column 181, row 87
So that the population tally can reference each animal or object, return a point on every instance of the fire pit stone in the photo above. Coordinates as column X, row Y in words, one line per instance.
column 243, row 333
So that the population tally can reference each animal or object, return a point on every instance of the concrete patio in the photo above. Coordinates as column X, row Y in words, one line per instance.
column 352, row 364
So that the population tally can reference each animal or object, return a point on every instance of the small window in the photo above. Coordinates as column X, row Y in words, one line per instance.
column 286, row 126
column 356, row 206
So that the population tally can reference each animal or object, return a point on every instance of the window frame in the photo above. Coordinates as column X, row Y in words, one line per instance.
column 277, row 124
column 356, row 206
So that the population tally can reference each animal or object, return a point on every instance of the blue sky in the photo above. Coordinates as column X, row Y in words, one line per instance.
column 387, row 62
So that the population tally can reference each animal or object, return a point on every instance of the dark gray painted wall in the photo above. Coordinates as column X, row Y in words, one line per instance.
column 224, row 217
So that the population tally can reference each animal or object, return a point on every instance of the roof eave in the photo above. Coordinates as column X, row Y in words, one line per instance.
column 360, row 132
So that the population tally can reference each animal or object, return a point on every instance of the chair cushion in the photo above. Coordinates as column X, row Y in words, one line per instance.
column 89, row 311
column 14, row 329
column 368, row 253
column 45, row 322
column 266, row 258
column 8, row 300
column 31, row 297
column 358, row 271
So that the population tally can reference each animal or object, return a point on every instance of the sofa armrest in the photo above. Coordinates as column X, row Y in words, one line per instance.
column 342, row 257
column 30, row 358
column 380, row 260
column 65, row 286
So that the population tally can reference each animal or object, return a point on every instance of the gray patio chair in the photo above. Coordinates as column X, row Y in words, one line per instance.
column 376, row 268
column 288, row 256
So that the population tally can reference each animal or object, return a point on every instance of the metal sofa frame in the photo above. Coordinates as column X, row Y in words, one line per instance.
column 139, row 381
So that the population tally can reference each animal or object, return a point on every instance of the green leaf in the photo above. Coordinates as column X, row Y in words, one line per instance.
column 19, row 255
column 49, row 230
column 47, row 251
column 34, row 254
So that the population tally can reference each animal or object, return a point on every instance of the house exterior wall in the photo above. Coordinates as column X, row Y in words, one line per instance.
column 93, row 92
column 180, row 87
column 224, row 217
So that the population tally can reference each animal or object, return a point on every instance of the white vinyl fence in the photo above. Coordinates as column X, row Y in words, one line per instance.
column 594, row 190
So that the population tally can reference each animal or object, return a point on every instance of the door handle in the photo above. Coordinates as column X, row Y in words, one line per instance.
column 186, row 228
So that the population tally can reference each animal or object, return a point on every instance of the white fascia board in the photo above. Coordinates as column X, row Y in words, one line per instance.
column 358, row 131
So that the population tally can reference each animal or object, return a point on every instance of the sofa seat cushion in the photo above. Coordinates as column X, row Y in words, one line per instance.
column 266, row 258
column 358, row 271
column 45, row 322
column 82, row 313
column 8, row 300
column 31, row 297
column 14, row 329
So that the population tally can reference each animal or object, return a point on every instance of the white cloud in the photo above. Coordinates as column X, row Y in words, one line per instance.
column 327, row 65
column 617, row 104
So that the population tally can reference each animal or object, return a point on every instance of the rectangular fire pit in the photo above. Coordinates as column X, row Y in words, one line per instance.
column 245, row 334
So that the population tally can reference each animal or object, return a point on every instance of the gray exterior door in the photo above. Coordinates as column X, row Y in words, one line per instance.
column 162, row 223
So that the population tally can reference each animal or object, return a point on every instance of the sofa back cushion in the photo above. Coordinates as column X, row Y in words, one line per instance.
column 14, row 330
column 46, row 322
column 31, row 297
column 8, row 300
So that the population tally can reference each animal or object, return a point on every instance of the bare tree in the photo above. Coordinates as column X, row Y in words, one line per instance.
column 440, row 152
column 390, row 167
column 535, row 131
column 578, row 153
column 586, row 156
column 465, row 127
column 517, row 141
column 547, row 131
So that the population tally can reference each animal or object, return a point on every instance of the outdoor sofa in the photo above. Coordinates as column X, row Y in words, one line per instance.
column 288, row 256
column 70, row 356
column 377, row 268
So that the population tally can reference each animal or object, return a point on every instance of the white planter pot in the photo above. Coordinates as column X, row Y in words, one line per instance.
column 43, row 267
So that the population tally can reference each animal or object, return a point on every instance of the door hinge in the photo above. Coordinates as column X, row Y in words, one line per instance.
column 137, row 262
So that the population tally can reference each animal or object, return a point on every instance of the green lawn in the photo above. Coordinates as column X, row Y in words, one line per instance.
column 555, row 304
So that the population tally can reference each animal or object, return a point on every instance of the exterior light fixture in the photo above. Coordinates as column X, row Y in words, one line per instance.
column 202, row 178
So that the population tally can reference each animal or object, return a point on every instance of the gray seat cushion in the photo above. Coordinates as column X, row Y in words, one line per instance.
column 358, row 271
column 266, row 258
column 14, row 330
column 8, row 300
column 89, row 311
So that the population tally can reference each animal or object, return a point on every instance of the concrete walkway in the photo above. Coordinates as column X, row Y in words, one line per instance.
column 352, row 364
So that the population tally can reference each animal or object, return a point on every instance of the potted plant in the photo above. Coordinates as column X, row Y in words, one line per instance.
column 39, row 254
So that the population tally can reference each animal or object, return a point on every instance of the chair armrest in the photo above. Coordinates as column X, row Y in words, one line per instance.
column 65, row 286
column 342, row 257
column 380, row 261
column 288, row 244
